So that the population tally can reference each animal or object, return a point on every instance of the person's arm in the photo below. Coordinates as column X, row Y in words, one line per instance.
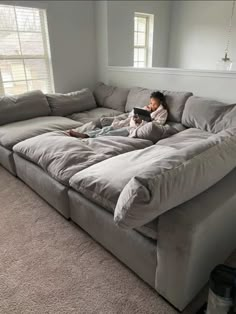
column 161, row 117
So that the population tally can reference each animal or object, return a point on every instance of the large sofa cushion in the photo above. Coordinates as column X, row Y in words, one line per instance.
column 166, row 178
column 94, row 115
column 205, row 113
column 185, row 138
column 176, row 179
column 139, row 97
column 62, row 156
column 175, row 103
column 24, row 106
column 228, row 121
column 154, row 132
column 102, row 183
column 66, row 104
column 111, row 97
column 16, row 132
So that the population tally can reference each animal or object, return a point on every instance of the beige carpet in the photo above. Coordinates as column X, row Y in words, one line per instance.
column 49, row 265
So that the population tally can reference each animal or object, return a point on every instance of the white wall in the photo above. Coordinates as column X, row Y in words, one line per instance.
column 209, row 84
column 120, row 19
column 198, row 33
column 72, row 39
column 101, row 40
column 217, row 85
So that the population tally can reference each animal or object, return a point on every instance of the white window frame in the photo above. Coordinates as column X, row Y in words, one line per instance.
column 148, row 47
column 46, row 56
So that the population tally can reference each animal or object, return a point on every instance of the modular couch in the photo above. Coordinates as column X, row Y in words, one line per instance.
column 163, row 203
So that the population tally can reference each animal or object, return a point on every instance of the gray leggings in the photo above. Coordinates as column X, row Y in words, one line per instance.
column 108, row 131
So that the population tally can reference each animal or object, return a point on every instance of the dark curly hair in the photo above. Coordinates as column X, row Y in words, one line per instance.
column 160, row 96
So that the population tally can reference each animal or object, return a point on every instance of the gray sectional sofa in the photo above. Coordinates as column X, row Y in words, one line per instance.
column 163, row 203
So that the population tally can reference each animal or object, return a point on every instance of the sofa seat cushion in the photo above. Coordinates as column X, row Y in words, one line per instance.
column 13, row 133
column 94, row 115
column 24, row 106
column 62, row 156
column 102, row 183
column 94, row 184
column 208, row 114
column 139, row 97
column 185, row 138
column 141, row 185
column 110, row 96
column 65, row 104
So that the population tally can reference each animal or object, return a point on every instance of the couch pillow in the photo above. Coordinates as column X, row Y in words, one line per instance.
column 228, row 121
column 175, row 103
column 205, row 114
column 111, row 97
column 65, row 104
column 139, row 97
column 22, row 107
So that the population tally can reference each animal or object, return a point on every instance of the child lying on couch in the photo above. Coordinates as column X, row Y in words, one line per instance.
column 128, row 127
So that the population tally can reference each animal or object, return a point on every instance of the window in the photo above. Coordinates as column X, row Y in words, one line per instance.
column 25, row 62
column 143, row 39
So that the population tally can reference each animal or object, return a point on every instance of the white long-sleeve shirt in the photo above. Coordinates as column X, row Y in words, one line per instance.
column 159, row 116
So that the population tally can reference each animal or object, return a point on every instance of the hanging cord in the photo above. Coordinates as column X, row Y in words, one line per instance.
column 230, row 27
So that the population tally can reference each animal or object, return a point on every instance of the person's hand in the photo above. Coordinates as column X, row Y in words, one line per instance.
column 137, row 119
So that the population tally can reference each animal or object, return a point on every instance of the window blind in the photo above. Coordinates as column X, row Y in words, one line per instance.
column 25, row 62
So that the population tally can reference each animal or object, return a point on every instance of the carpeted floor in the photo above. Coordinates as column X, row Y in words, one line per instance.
column 49, row 265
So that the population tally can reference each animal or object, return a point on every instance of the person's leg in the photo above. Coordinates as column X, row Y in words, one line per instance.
column 77, row 134
column 116, row 132
column 106, row 131
column 88, row 134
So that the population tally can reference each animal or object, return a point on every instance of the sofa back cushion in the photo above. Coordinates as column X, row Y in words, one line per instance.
column 22, row 107
column 111, row 97
column 175, row 103
column 139, row 97
column 207, row 114
column 66, row 104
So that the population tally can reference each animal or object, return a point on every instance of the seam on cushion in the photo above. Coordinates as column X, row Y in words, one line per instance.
column 105, row 98
column 83, row 189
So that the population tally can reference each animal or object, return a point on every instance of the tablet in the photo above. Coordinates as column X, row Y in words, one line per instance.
column 143, row 114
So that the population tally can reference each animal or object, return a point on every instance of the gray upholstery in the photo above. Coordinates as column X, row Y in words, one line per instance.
column 139, row 97
column 154, row 132
column 175, row 103
column 111, row 97
column 142, row 193
column 149, row 230
column 175, row 178
column 185, row 138
column 206, row 114
column 62, row 156
column 13, row 133
column 50, row 190
column 173, row 253
column 6, row 160
column 65, row 104
column 136, row 251
column 94, row 115
column 22, row 107
column 192, row 239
